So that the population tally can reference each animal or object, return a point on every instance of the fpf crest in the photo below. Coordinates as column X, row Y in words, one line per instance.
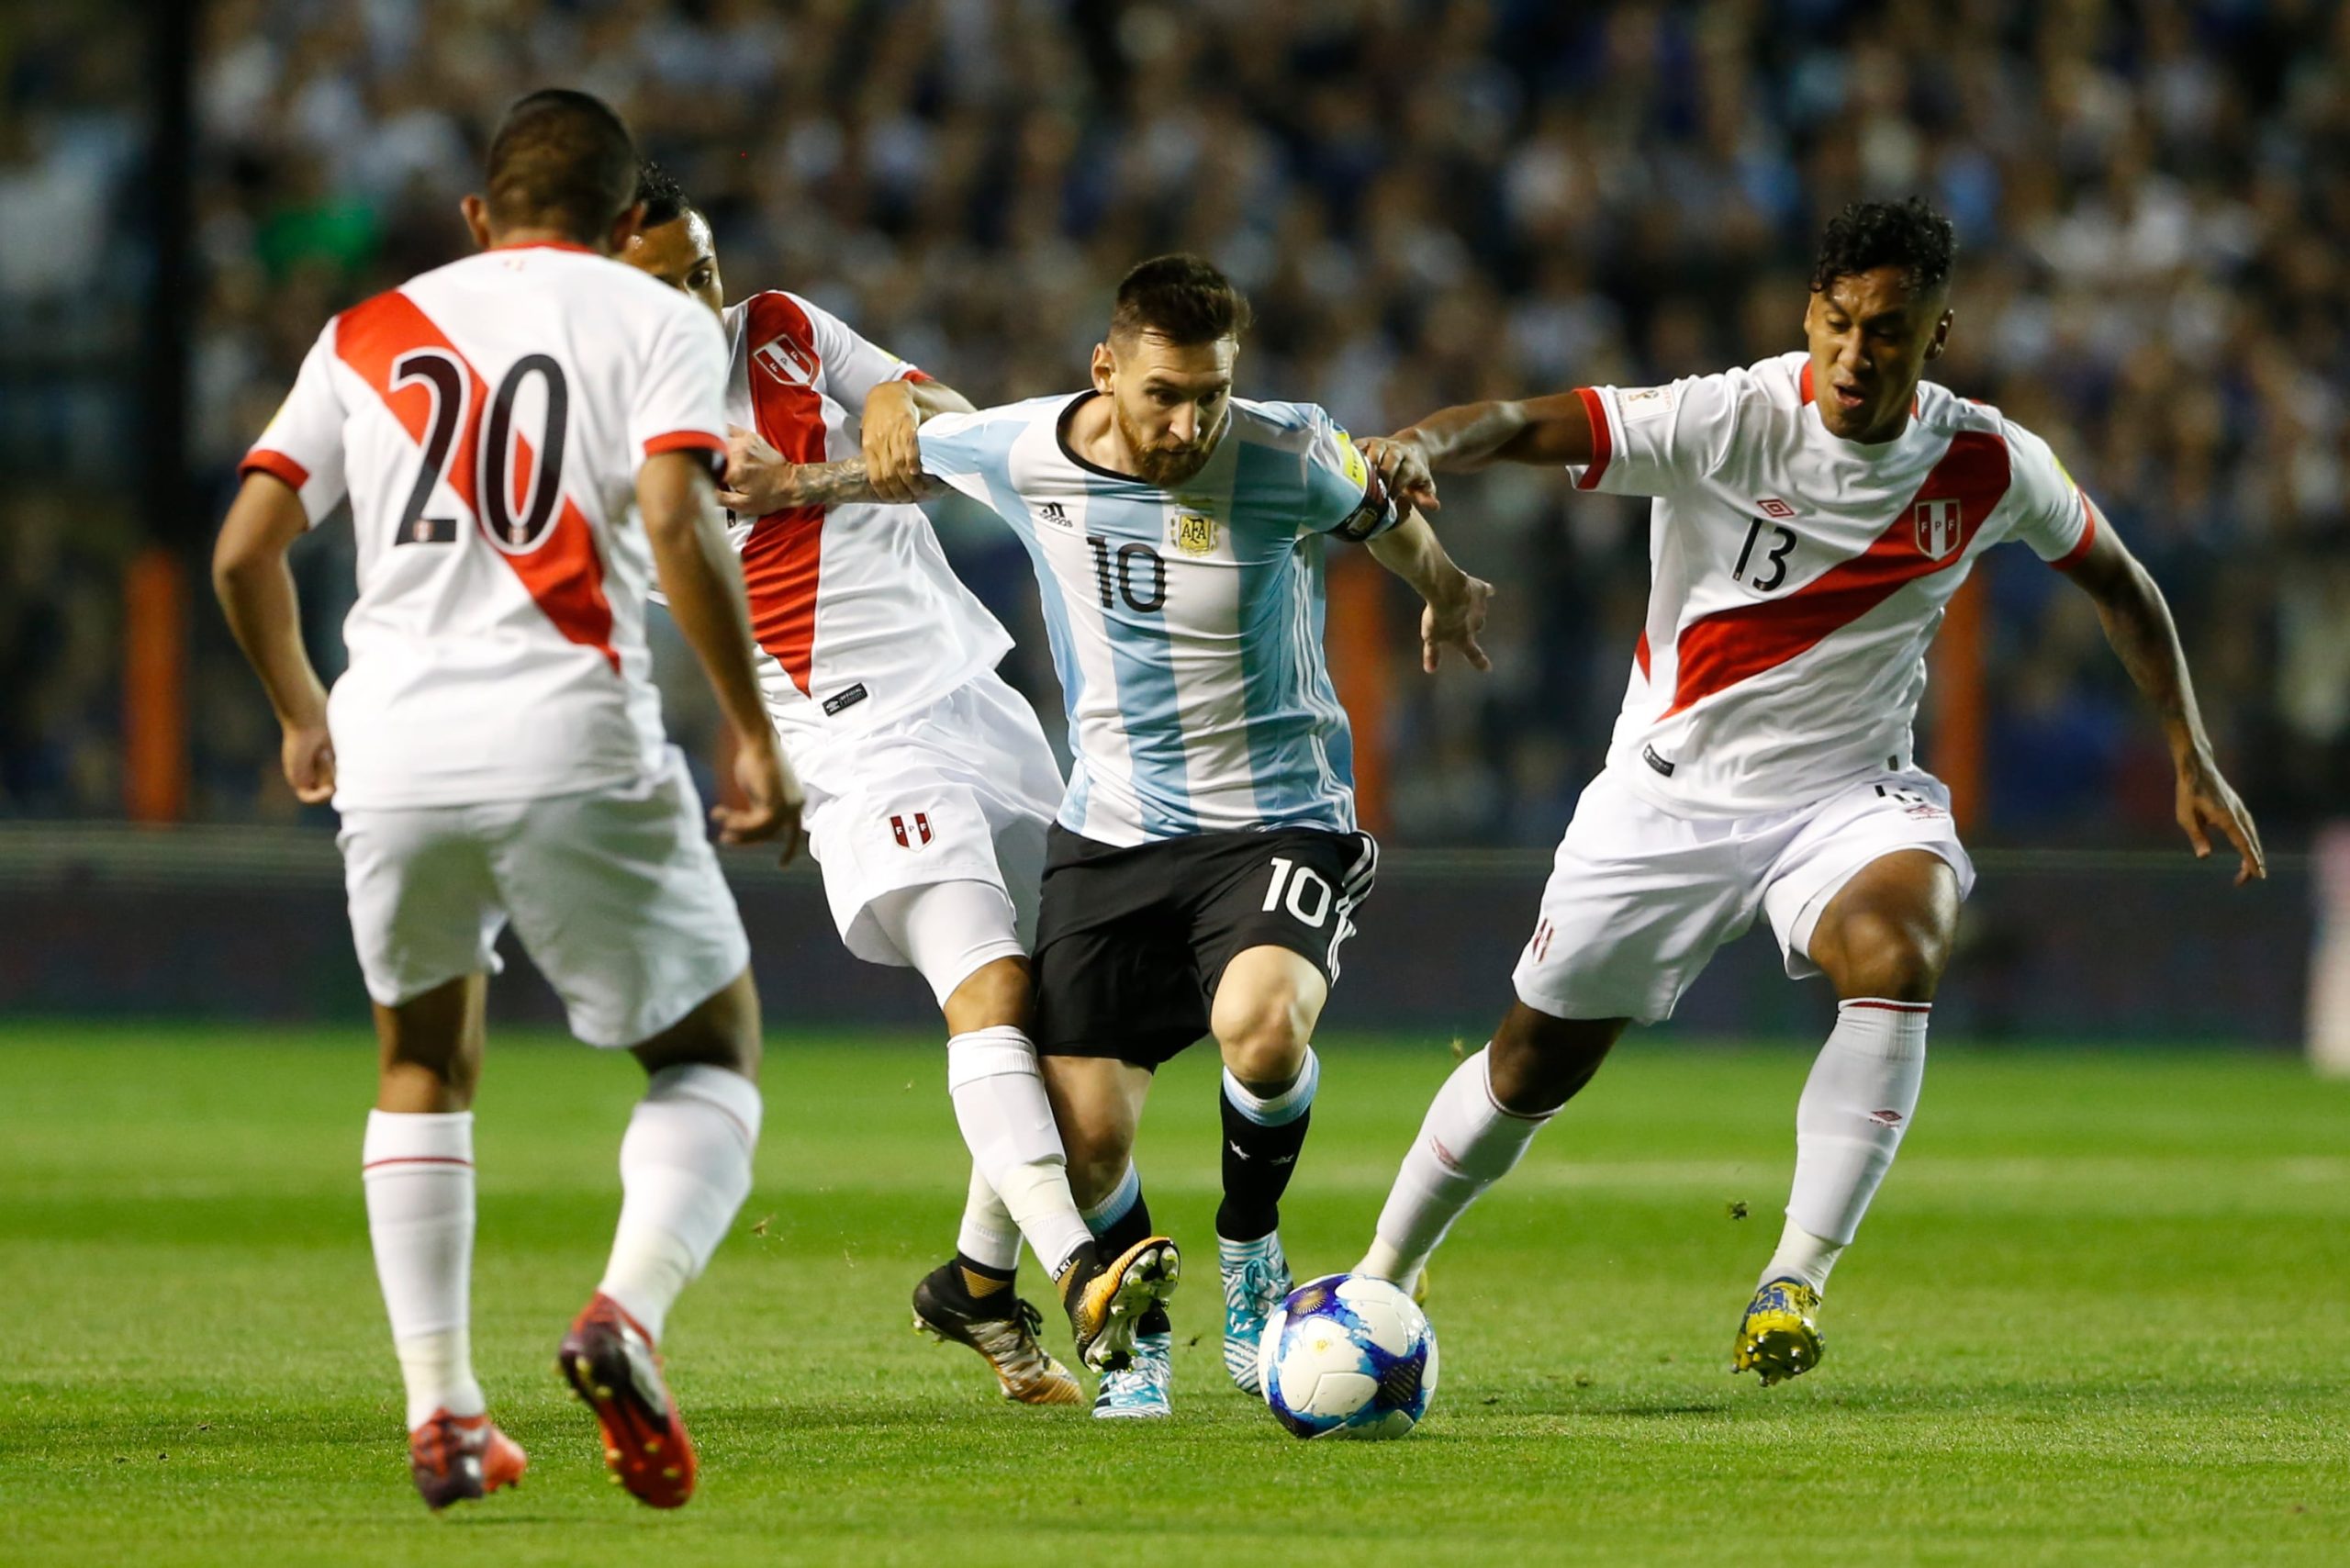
column 1939, row 533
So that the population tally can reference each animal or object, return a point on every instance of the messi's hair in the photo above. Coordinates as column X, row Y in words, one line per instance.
column 1869, row 234
column 561, row 160
column 665, row 200
column 1183, row 299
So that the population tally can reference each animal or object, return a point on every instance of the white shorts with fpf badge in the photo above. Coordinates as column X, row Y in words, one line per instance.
column 961, row 791
column 1639, row 897
column 615, row 895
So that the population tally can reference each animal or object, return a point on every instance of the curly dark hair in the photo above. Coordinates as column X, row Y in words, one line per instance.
column 1868, row 234
column 665, row 200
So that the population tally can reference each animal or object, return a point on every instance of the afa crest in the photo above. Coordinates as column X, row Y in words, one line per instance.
column 1193, row 533
column 1939, row 530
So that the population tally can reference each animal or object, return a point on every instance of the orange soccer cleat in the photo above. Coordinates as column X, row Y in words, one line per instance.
column 458, row 1458
column 609, row 1359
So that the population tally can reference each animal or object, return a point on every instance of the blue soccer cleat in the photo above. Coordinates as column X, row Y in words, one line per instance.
column 1142, row 1390
column 1256, row 1278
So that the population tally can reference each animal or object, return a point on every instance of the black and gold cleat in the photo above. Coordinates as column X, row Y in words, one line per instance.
column 1106, row 1300
column 945, row 1309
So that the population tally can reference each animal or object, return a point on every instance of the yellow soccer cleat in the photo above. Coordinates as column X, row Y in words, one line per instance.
column 1779, row 1338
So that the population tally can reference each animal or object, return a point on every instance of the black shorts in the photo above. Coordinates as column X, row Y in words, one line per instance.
column 1132, row 943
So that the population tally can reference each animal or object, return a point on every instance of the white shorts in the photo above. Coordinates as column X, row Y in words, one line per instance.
column 1639, row 897
column 615, row 895
column 961, row 791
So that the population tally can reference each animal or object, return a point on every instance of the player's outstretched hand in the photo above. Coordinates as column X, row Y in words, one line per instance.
column 2205, row 801
column 308, row 756
column 1404, row 469
column 1453, row 621
column 772, row 799
column 892, row 448
column 755, row 474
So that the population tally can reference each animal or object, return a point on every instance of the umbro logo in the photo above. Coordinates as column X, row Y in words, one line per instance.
column 1773, row 507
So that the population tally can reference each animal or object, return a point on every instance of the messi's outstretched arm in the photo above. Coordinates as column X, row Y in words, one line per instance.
column 256, row 593
column 1550, row 431
column 1456, row 602
column 2138, row 625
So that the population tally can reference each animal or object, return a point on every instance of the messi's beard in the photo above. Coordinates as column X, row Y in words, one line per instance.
column 1159, row 465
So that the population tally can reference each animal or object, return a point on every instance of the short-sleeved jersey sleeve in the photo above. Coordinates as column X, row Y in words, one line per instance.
column 1344, row 494
column 1652, row 441
column 968, row 451
column 679, row 403
column 853, row 364
column 303, row 445
column 2051, row 513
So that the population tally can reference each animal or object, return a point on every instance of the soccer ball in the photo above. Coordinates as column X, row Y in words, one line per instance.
column 1347, row 1356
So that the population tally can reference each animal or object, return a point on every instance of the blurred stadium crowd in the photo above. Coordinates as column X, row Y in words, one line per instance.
column 1430, row 200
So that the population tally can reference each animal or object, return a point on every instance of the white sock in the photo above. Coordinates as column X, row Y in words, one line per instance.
column 1801, row 1256
column 989, row 1234
column 1857, row 1103
column 419, row 1172
column 685, row 1170
column 1467, row 1143
column 1007, row 1122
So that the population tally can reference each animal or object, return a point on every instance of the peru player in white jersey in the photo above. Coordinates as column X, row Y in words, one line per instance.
column 1813, row 515
column 526, row 438
column 930, row 784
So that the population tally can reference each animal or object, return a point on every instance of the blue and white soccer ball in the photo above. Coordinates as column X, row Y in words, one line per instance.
column 1347, row 1356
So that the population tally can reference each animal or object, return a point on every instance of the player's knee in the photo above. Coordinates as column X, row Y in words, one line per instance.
column 1536, row 1063
column 1264, row 1040
column 995, row 994
column 723, row 1032
column 1880, row 954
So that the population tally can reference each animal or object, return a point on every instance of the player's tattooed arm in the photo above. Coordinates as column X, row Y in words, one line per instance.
column 894, row 411
column 1551, row 431
column 1456, row 602
column 760, row 480
column 2138, row 625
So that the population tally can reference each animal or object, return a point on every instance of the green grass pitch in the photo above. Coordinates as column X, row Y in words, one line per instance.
column 2096, row 1318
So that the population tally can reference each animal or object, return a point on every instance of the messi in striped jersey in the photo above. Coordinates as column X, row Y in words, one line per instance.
column 1812, row 515
column 1206, row 864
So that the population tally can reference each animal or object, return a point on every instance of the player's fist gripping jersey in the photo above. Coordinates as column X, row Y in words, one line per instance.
column 486, row 421
column 1796, row 577
column 858, row 617
column 1186, row 624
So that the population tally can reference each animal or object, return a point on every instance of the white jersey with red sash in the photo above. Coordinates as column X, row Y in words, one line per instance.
column 857, row 615
column 487, row 421
column 1797, row 577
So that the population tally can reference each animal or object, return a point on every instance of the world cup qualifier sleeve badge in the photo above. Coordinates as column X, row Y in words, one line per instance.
column 1939, row 533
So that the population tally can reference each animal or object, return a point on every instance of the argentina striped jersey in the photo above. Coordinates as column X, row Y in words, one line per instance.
column 1186, row 624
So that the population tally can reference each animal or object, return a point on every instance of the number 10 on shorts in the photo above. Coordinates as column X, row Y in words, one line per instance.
column 1303, row 889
